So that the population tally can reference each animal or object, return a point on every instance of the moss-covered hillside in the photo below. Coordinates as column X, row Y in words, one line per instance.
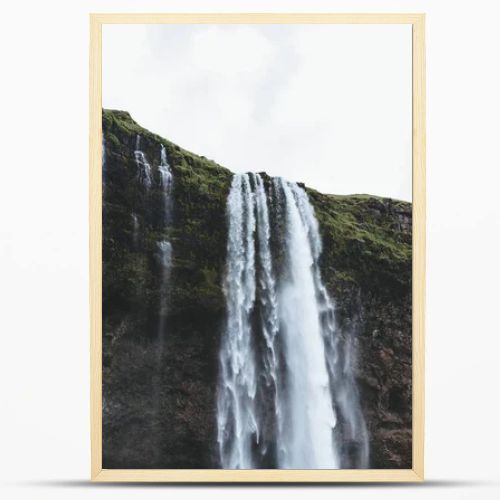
column 159, row 390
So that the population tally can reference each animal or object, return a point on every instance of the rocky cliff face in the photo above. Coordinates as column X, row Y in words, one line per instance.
column 159, row 389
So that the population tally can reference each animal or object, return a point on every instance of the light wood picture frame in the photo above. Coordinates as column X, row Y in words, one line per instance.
column 416, row 473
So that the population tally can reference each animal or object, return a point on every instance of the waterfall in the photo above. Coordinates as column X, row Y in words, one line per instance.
column 310, row 419
column 166, row 182
column 165, row 260
column 164, row 246
column 287, row 397
column 357, row 450
column 237, row 424
column 269, row 319
column 143, row 167
column 135, row 230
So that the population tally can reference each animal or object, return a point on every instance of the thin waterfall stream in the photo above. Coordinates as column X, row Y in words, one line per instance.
column 164, row 246
column 163, row 253
column 143, row 166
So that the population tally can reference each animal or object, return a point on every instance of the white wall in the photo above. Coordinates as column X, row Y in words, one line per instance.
column 43, row 248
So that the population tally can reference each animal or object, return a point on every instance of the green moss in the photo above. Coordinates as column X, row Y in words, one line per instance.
column 111, row 139
column 363, row 241
column 198, row 232
column 123, row 123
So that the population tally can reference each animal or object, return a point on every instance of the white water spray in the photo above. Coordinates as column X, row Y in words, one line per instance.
column 237, row 425
column 166, row 182
column 143, row 166
column 280, row 364
column 309, row 417
column 268, row 299
column 165, row 259
column 164, row 246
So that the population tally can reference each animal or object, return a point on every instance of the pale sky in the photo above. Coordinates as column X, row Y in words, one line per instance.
column 327, row 105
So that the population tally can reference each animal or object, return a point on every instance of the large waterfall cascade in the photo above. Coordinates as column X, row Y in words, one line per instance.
column 287, row 397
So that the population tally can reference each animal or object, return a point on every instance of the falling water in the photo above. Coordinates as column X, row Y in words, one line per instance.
column 340, row 356
column 166, row 182
column 143, row 167
column 357, row 450
column 282, row 365
column 237, row 424
column 165, row 260
column 135, row 230
column 269, row 320
column 309, row 416
column 164, row 246
column 164, row 256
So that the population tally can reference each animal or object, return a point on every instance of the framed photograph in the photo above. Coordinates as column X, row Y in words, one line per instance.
column 257, row 247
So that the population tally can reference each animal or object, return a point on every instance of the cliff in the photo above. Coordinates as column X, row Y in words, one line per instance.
column 159, row 390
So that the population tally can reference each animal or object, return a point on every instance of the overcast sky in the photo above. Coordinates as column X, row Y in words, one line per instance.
column 328, row 105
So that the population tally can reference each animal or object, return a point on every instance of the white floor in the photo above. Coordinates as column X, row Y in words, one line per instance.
column 75, row 489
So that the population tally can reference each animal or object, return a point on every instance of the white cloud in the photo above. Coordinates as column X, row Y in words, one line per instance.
column 231, row 52
column 328, row 105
